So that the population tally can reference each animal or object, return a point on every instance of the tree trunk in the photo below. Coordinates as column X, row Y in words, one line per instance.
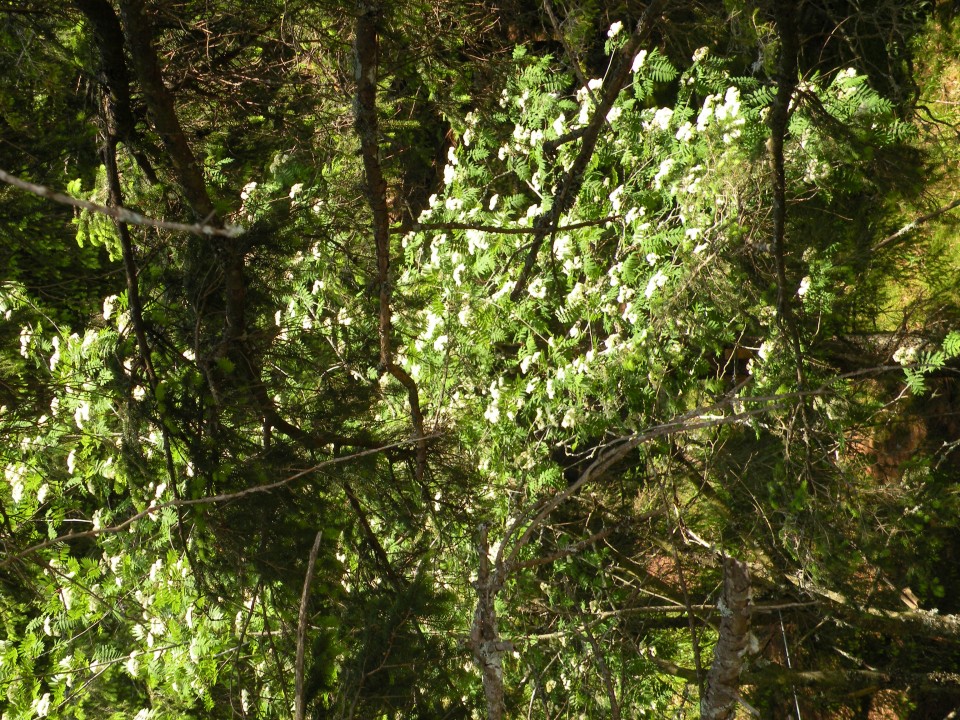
column 723, row 681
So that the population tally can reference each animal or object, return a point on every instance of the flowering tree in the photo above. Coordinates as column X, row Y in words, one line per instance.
column 569, row 432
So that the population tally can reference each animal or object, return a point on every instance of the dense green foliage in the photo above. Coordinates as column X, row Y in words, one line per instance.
column 481, row 438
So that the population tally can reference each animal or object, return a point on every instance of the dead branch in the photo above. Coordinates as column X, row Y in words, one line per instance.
column 121, row 214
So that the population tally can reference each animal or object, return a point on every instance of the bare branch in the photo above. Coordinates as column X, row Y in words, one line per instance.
column 913, row 224
column 120, row 214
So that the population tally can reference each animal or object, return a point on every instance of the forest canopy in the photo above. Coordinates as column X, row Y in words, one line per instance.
column 572, row 359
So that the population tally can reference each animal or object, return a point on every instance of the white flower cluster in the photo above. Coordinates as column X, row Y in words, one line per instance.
column 725, row 115
column 906, row 355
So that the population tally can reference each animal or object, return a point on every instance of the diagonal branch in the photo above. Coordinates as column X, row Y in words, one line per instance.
column 152, row 510
column 566, row 196
column 498, row 230
column 146, row 64
column 119, row 213
column 160, row 102
column 913, row 224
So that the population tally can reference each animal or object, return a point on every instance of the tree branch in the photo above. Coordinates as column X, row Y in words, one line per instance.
column 140, row 41
column 913, row 224
column 300, row 709
column 121, row 214
column 108, row 34
column 224, row 497
column 566, row 195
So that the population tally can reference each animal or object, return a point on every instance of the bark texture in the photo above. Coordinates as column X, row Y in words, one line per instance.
column 719, row 700
column 485, row 641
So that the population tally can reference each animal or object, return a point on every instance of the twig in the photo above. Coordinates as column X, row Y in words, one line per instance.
column 120, row 214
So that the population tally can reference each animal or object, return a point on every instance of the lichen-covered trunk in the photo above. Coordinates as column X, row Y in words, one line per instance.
column 719, row 699
column 485, row 639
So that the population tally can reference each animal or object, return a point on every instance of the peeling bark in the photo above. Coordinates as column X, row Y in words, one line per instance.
column 719, row 700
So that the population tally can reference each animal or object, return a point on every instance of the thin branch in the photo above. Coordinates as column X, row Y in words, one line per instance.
column 225, row 497
column 697, row 419
column 299, row 700
column 566, row 195
column 120, row 214
column 604, row 672
column 913, row 224
column 571, row 549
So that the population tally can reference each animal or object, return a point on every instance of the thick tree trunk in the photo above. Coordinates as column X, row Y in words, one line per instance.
column 719, row 700
column 115, row 77
column 146, row 64
column 160, row 103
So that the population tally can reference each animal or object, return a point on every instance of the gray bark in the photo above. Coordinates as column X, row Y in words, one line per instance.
column 720, row 697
